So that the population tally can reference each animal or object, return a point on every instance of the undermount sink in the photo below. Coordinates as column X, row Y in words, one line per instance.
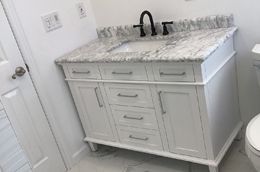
column 139, row 46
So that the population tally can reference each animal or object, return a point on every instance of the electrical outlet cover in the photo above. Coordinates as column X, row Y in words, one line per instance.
column 51, row 21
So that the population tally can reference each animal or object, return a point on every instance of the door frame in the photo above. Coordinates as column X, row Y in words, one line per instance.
column 27, row 56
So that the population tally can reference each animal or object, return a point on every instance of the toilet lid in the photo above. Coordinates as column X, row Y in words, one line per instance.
column 253, row 133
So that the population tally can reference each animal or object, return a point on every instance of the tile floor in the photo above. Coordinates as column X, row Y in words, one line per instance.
column 109, row 159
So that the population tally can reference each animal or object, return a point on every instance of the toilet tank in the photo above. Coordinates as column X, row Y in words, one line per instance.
column 256, row 61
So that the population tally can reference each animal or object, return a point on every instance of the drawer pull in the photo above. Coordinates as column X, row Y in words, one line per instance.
column 134, row 118
column 122, row 73
column 77, row 72
column 138, row 138
column 173, row 74
column 99, row 102
column 161, row 103
column 131, row 96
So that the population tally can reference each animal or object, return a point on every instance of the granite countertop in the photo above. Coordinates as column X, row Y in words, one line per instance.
column 185, row 46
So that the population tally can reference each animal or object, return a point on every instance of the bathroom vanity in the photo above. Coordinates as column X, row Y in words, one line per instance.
column 173, row 96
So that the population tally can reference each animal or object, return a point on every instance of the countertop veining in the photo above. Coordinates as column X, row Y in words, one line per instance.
column 194, row 46
column 184, row 46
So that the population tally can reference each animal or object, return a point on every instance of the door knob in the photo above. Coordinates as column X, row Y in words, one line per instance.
column 19, row 71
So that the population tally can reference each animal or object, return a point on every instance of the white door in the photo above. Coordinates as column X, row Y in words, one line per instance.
column 182, row 121
column 23, row 107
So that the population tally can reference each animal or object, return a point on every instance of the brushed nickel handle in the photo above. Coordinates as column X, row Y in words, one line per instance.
column 122, row 73
column 78, row 72
column 99, row 102
column 134, row 118
column 19, row 71
column 138, row 138
column 161, row 103
column 173, row 74
column 130, row 96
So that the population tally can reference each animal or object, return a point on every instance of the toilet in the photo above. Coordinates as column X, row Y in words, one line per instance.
column 253, row 128
column 253, row 142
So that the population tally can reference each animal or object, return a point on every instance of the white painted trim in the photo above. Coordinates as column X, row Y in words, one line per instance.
column 154, row 152
column 34, row 73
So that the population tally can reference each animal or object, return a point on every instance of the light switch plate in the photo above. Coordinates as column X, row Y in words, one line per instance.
column 81, row 10
column 51, row 21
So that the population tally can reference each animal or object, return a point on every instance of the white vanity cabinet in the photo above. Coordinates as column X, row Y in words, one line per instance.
column 92, row 110
column 187, row 111
column 182, row 119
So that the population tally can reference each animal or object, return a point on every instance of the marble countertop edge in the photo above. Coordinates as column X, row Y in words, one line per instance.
column 193, row 46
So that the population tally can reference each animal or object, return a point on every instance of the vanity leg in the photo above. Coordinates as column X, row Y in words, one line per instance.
column 213, row 169
column 93, row 146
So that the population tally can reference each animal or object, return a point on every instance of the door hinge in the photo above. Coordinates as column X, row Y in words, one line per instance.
column 27, row 67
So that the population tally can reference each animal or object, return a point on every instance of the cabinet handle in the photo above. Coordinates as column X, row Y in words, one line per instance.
column 128, row 117
column 131, row 96
column 122, row 73
column 161, row 103
column 173, row 74
column 77, row 72
column 138, row 138
column 99, row 102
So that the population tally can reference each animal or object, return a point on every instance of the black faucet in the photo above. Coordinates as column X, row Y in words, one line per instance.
column 165, row 30
column 141, row 25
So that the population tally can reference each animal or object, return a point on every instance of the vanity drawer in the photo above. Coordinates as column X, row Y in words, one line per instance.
column 129, row 95
column 140, row 137
column 83, row 71
column 173, row 72
column 124, row 72
column 135, row 117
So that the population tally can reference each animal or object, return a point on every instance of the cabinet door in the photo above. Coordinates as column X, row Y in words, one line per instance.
column 92, row 110
column 180, row 110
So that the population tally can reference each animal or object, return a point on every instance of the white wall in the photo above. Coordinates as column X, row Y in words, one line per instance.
column 43, row 48
column 247, row 17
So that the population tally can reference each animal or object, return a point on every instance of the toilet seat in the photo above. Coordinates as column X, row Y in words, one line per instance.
column 253, row 134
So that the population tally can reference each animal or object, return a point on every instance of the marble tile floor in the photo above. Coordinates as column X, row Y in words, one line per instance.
column 109, row 159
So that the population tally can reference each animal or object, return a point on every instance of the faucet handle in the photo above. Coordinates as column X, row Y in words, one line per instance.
column 142, row 33
column 170, row 22
column 165, row 30
column 138, row 25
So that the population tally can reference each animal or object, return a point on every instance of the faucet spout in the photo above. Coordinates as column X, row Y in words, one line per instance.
column 151, row 21
column 142, row 24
